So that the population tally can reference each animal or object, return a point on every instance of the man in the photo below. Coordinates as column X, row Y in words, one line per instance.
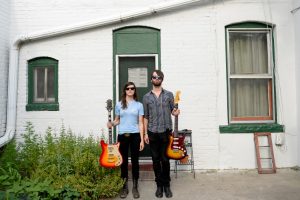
column 158, row 107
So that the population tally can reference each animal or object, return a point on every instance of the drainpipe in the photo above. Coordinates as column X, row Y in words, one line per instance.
column 12, row 93
column 15, row 47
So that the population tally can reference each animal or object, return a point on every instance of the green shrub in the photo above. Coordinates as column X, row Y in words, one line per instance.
column 57, row 167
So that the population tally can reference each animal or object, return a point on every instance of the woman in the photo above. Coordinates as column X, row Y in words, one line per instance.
column 129, row 118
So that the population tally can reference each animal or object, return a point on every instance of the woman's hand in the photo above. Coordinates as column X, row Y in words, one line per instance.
column 142, row 145
column 109, row 124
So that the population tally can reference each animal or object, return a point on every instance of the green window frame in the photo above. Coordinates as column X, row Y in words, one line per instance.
column 42, row 84
column 251, row 91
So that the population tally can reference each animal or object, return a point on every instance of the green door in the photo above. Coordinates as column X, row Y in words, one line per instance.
column 136, row 69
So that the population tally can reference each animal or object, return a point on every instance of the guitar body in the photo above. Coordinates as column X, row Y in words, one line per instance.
column 176, row 149
column 110, row 156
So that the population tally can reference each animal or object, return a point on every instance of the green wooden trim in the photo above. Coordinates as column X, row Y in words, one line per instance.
column 251, row 128
column 42, row 107
column 227, row 78
column 41, row 62
column 251, row 25
column 137, row 29
column 274, row 77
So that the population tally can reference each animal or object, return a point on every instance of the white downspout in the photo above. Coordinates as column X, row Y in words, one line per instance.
column 12, row 93
column 15, row 47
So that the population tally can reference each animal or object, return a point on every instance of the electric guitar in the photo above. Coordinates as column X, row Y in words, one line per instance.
column 110, row 156
column 176, row 149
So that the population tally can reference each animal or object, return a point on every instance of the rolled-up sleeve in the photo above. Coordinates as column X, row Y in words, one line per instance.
column 145, row 105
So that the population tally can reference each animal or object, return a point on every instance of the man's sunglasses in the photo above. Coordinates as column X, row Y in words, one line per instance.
column 156, row 77
column 130, row 88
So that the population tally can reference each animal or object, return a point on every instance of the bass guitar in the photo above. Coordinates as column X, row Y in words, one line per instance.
column 110, row 156
column 176, row 149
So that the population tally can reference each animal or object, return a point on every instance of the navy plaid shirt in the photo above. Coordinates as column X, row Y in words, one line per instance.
column 158, row 111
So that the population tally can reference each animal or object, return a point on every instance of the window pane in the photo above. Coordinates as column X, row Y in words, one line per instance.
column 249, row 98
column 50, row 84
column 39, row 84
column 248, row 53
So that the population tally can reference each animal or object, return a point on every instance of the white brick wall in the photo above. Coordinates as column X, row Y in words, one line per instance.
column 4, row 39
column 36, row 15
column 296, row 4
column 193, row 60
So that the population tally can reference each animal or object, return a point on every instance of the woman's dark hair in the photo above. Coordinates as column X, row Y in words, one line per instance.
column 123, row 98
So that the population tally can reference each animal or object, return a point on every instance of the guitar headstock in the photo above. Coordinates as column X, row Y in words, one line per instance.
column 177, row 97
column 109, row 105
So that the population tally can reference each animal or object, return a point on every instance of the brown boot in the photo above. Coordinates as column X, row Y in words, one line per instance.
column 135, row 191
column 124, row 191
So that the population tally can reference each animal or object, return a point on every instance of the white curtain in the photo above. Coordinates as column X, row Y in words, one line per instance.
column 248, row 55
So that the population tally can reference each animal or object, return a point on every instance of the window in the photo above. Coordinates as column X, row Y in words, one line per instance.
column 250, row 73
column 42, row 84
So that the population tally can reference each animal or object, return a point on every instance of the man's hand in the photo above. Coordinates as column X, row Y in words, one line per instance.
column 146, row 138
column 142, row 145
column 175, row 112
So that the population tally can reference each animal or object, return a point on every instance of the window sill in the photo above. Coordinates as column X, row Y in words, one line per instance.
column 251, row 128
column 42, row 107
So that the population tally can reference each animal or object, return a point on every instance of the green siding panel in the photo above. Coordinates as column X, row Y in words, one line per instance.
column 251, row 128
column 137, row 43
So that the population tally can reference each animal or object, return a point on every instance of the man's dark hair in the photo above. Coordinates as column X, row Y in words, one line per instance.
column 159, row 73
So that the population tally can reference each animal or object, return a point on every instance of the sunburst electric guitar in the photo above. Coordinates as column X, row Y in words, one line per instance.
column 110, row 156
column 176, row 149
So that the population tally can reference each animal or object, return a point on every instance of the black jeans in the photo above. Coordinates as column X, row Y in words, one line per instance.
column 131, row 140
column 161, row 163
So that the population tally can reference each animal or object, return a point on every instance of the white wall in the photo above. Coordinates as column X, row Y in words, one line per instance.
column 279, row 14
column 35, row 15
column 296, row 4
column 4, row 38
column 193, row 60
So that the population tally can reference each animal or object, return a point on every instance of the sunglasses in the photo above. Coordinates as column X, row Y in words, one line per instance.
column 130, row 88
column 156, row 78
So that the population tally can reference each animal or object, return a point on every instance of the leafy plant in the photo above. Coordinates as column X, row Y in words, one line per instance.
column 63, row 166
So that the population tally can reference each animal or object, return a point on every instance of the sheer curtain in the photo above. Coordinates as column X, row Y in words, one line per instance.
column 248, row 56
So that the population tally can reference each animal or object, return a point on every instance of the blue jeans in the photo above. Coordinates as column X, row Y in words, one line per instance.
column 161, row 163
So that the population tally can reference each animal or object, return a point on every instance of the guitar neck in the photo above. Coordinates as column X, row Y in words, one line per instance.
column 110, row 129
column 176, row 127
column 176, row 123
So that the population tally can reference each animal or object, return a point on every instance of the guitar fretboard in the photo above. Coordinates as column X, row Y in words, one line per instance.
column 176, row 123
column 109, row 130
column 109, row 109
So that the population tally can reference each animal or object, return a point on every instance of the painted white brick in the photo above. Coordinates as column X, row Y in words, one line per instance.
column 296, row 4
column 193, row 60
column 4, row 38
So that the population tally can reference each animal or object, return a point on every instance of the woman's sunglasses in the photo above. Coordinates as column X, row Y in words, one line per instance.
column 130, row 88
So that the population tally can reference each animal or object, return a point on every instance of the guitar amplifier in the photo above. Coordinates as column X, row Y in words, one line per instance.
column 185, row 132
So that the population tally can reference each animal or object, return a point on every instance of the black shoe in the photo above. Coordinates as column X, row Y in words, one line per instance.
column 124, row 191
column 168, row 191
column 159, row 192
column 135, row 191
